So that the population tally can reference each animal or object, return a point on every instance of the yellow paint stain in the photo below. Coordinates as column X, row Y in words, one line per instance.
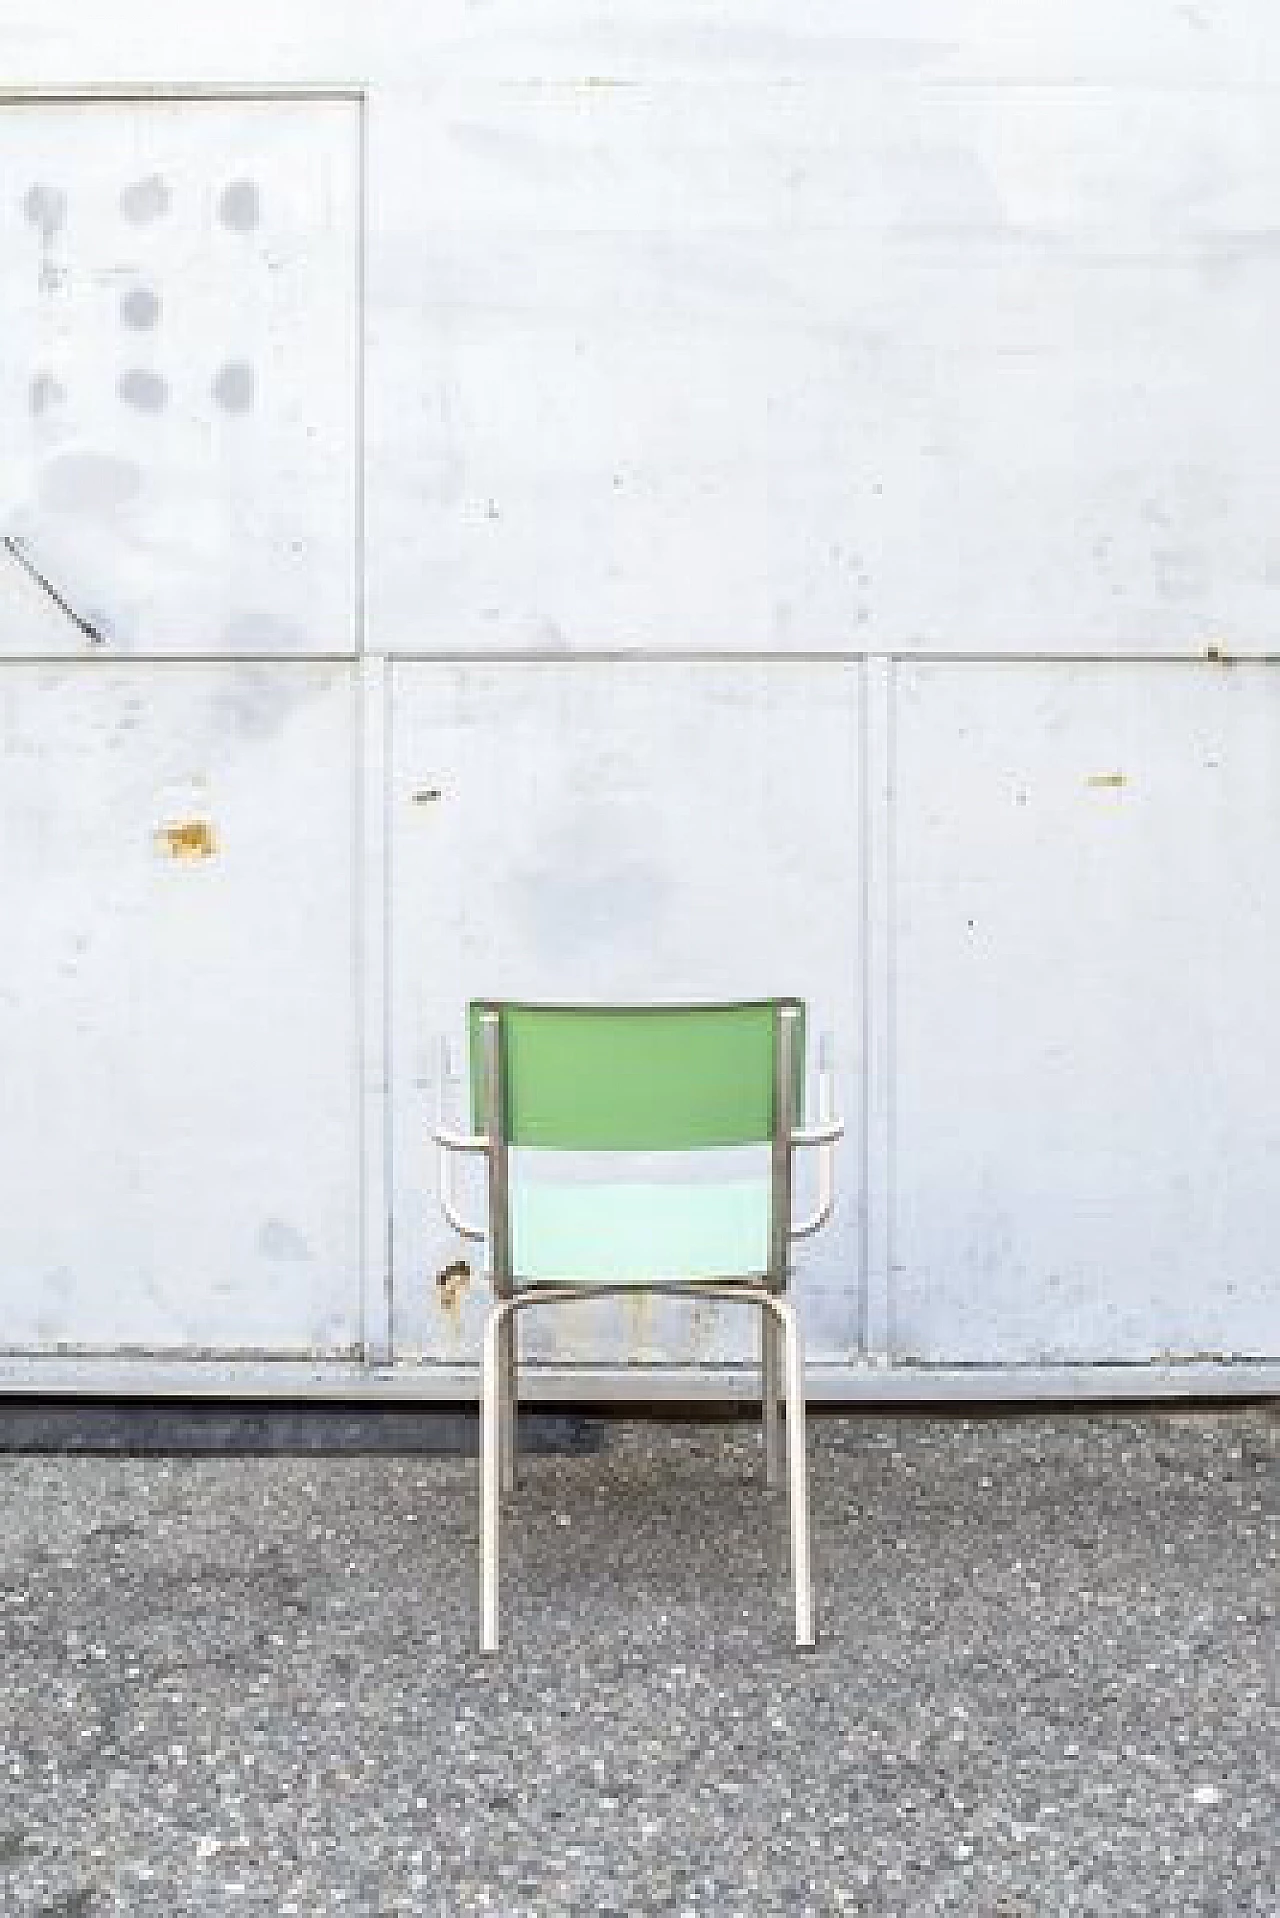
column 188, row 839
column 1107, row 781
column 452, row 1281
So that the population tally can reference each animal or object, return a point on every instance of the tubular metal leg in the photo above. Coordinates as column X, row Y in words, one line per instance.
column 769, row 1386
column 491, row 1394
column 797, row 1468
column 510, row 1360
column 497, row 1363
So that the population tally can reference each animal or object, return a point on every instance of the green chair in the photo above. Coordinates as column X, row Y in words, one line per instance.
column 714, row 1093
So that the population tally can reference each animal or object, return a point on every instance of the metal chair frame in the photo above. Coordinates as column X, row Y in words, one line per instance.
column 781, row 1346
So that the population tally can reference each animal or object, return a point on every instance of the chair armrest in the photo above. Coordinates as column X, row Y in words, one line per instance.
column 826, row 1132
column 448, row 1143
column 824, row 1135
column 459, row 1141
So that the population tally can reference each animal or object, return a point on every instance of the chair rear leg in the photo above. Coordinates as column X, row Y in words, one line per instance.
column 769, row 1386
column 510, row 1395
column 798, row 1474
column 491, row 1395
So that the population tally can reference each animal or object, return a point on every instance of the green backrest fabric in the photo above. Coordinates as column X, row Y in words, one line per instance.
column 636, row 1078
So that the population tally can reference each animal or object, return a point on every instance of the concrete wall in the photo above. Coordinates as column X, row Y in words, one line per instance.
column 610, row 500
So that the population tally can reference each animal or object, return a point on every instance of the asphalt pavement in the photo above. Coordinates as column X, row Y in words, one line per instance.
column 1048, row 1678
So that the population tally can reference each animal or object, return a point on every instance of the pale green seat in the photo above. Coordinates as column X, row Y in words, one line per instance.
column 712, row 1097
column 628, row 1232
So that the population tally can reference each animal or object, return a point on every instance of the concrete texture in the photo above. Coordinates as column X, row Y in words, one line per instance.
column 1047, row 1678
column 631, row 500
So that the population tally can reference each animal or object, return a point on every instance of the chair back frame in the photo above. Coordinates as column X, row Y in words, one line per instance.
column 784, row 1070
column 782, row 1355
column 494, row 1130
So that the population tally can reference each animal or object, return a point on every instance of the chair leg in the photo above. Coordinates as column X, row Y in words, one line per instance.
column 510, row 1363
column 491, row 1395
column 769, row 1384
column 798, row 1476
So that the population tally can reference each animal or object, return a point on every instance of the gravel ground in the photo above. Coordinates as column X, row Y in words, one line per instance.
column 1047, row 1679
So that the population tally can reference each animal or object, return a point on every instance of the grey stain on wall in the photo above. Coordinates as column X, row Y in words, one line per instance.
column 144, row 390
column 89, row 483
column 46, row 208
column 255, row 705
column 240, row 206
column 567, row 909
column 276, row 1240
column 145, row 199
column 140, row 308
column 233, row 386
column 249, row 631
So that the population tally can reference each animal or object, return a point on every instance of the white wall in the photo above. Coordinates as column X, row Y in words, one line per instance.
column 778, row 476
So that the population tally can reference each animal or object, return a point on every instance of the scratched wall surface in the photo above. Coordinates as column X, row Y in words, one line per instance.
column 178, row 455
column 775, row 342
column 701, row 332
column 606, row 830
column 1088, row 910
column 178, row 1125
column 786, row 481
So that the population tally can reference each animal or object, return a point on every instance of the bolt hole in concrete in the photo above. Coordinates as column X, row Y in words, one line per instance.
column 234, row 386
column 44, row 393
column 240, row 206
column 140, row 308
column 144, row 390
column 45, row 208
column 145, row 200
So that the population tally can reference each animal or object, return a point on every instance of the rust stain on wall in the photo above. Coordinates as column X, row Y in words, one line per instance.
column 452, row 1281
column 188, row 839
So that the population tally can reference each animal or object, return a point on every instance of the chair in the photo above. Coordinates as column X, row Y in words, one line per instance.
column 712, row 1089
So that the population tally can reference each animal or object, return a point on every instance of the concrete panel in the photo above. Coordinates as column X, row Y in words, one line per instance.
column 961, row 367
column 589, row 43
column 618, row 831
column 894, row 329
column 1087, row 1143
column 824, row 295
column 179, row 447
column 178, row 1116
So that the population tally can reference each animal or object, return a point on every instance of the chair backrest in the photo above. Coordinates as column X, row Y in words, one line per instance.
column 551, row 1080
column 636, row 1078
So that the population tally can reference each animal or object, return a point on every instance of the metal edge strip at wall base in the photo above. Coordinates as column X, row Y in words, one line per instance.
column 637, row 1387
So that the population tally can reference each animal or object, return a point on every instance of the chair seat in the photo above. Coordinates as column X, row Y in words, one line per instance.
column 638, row 1232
